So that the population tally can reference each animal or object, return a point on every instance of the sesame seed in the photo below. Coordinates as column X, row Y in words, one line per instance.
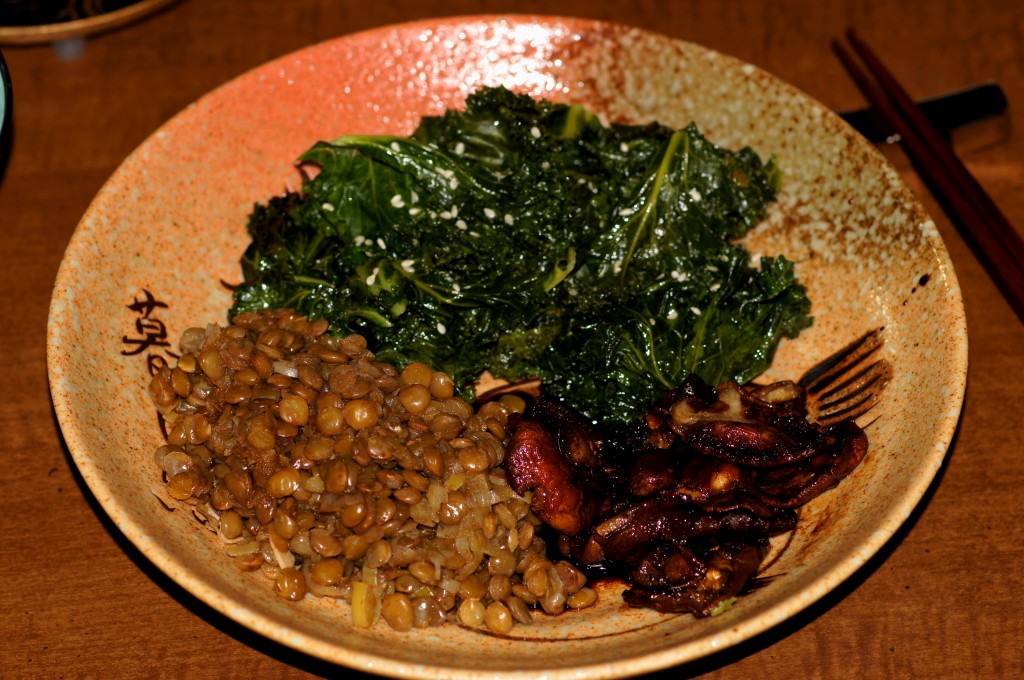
column 461, row 224
column 395, row 147
column 414, row 211
column 474, row 234
column 457, row 288
column 509, row 219
column 535, row 132
column 460, row 148
column 381, row 244
column 545, row 165
column 695, row 195
column 455, row 211
column 359, row 240
column 711, row 268
column 446, row 214
column 414, row 197
column 454, row 184
column 409, row 265
column 489, row 214
column 695, row 310
column 397, row 201
column 715, row 287
column 623, row 147
column 672, row 315
column 441, row 329
column 327, row 207
column 626, row 212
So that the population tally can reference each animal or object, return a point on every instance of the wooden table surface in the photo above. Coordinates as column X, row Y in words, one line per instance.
column 943, row 599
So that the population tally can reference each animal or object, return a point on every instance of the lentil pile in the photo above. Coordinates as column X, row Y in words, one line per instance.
column 336, row 475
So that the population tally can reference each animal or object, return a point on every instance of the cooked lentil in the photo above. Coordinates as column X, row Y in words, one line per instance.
column 336, row 475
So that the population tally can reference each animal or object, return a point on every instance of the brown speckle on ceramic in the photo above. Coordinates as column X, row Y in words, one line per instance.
column 150, row 255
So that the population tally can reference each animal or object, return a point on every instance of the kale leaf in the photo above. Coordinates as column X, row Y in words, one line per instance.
column 533, row 239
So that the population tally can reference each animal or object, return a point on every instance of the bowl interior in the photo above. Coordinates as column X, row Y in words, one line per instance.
column 150, row 255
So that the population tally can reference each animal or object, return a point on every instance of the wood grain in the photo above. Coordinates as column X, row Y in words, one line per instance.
column 942, row 600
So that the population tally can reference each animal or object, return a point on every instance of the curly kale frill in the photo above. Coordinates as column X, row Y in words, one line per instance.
column 530, row 239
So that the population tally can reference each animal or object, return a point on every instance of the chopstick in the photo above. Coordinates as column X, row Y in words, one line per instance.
column 992, row 238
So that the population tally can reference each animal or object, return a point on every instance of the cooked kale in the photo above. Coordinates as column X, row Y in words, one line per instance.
column 532, row 239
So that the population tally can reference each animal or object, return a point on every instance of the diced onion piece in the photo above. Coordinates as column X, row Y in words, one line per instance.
column 286, row 368
column 364, row 605
column 285, row 559
column 244, row 549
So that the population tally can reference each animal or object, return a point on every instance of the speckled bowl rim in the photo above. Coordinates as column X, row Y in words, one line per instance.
column 254, row 619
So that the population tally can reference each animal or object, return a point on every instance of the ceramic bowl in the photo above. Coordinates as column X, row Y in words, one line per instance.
column 150, row 255
column 28, row 23
column 6, row 102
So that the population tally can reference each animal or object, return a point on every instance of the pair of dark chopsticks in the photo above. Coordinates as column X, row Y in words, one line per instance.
column 994, row 240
